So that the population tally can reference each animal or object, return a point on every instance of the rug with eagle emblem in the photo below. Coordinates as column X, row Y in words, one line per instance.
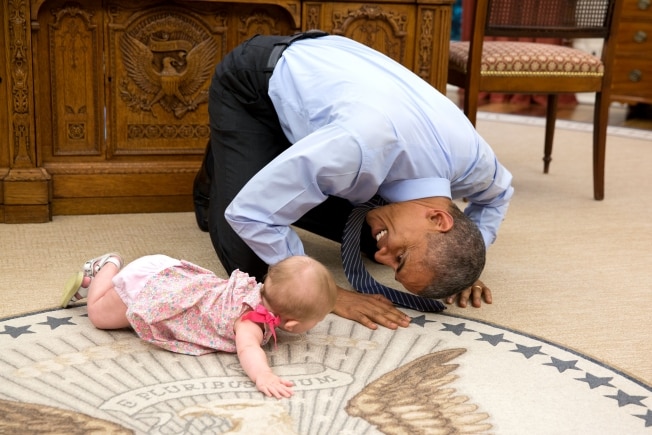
column 442, row 374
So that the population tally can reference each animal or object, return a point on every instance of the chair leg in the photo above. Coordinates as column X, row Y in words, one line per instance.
column 551, row 118
column 600, row 121
column 471, row 104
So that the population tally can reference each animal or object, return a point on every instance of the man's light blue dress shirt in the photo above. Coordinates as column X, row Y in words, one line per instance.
column 362, row 124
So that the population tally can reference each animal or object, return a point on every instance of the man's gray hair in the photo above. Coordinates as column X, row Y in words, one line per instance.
column 456, row 257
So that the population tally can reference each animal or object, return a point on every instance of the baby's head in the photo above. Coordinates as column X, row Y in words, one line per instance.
column 301, row 291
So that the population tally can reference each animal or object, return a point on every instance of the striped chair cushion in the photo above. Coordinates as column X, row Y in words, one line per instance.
column 527, row 58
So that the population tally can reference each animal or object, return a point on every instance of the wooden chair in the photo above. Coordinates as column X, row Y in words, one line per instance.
column 535, row 68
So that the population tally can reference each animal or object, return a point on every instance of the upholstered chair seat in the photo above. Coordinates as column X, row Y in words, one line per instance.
column 527, row 59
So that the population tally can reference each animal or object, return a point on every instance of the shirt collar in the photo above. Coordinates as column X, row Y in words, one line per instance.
column 406, row 190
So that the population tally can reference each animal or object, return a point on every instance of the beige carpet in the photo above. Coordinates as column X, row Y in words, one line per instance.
column 568, row 335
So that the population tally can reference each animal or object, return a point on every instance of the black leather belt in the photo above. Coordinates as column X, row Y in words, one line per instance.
column 280, row 47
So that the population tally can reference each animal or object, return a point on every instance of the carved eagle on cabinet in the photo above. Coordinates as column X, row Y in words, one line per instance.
column 172, row 78
column 417, row 398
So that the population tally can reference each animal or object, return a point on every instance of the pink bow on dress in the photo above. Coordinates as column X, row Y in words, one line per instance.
column 262, row 315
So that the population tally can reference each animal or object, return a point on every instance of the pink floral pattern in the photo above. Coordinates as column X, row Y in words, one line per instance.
column 188, row 309
column 527, row 58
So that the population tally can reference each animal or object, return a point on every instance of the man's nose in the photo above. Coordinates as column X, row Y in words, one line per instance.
column 383, row 256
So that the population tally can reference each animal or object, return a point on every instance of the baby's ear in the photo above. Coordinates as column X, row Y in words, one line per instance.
column 289, row 325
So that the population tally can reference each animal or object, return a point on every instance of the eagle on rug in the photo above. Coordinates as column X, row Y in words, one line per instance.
column 417, row 399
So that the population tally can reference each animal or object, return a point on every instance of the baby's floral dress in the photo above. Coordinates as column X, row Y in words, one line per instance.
column 188, row 309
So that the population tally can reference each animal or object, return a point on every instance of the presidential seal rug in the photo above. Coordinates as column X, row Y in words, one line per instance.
column 442, row 374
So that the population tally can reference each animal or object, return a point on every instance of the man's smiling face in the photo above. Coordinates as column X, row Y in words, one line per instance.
column 400, row 231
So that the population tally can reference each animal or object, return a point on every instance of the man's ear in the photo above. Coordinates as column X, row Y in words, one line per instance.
column 442, row 220
column 289, row 325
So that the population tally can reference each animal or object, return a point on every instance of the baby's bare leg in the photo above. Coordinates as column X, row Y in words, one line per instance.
column 106, row 310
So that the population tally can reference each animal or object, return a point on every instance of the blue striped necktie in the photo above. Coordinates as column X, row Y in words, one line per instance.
column 357, row 273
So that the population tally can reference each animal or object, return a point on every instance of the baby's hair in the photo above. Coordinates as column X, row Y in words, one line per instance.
column 300, row 287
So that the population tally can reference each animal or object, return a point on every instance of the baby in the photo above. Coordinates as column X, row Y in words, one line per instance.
column 185, row 308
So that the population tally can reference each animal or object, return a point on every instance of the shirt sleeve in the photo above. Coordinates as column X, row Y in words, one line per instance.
column 489, row 215
column 487, row 186
column 321, row 164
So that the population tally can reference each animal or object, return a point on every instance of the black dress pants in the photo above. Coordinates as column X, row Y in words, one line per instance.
column 245, row 136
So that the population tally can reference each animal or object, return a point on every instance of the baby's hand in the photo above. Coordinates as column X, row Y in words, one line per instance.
column 272, row 386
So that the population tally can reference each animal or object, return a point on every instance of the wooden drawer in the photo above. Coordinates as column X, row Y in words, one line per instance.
column 634, row 37
column 636, row 9
column 632, row 77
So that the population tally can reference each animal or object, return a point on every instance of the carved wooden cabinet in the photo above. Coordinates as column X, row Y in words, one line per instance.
column 410, row 32
column 103, row 104
column 632, row 68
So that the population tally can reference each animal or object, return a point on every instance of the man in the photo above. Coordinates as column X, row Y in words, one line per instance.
column 302, row 132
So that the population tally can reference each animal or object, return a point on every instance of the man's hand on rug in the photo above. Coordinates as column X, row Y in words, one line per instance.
column 476, row 293
column 369, row 310
column 272, row 386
